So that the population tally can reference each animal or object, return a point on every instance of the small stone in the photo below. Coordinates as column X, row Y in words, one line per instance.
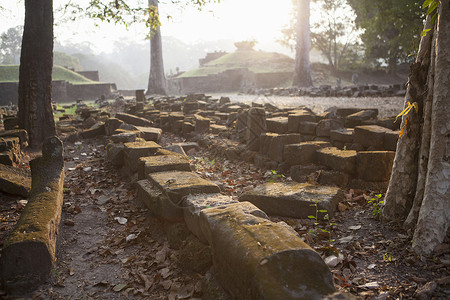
column 69, row 222
column 332, row 261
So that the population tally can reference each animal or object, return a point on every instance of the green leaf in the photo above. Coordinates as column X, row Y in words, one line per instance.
column 426, row 3
column 433, row 19
column 432, row 7
column 311, row 217
column 322, row 210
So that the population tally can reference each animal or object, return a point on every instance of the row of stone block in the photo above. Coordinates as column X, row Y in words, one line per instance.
column 255, row 258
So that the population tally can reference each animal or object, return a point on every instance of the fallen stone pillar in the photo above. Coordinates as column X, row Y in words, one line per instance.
column 259, row 259
column 29, row 252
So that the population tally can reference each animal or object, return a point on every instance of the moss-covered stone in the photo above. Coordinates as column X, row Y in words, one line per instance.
column 258, row 259
column 29, row 252
column 162, row 163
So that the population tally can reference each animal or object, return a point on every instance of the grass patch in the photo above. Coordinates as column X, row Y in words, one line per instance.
column 255, row 61
column 10, row 73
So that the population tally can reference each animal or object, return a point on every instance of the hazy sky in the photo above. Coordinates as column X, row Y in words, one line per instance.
column 261, row 20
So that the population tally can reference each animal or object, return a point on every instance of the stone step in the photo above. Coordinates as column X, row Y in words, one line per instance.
column 302, row 153
column 259, row 259
column 162, row 163
column 135, row 150
column 163, row 192
column 338, row 160
column 294, row 200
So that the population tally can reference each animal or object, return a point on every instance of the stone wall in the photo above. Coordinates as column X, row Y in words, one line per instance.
column 92, row 75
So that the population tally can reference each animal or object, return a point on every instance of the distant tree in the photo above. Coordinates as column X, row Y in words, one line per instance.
column 302, row 70
column 35, row 72
column 391, row 28
column 157, row 80
column 10, row 43
column 334, row 35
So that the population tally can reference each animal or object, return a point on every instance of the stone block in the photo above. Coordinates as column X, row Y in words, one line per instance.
column 356, row 119
column 333, row 178
column 265, row 140
column 114, row 153
column 344, row 111
column 338, row 160
column 293, row 199
column 370, row 136
column 300, row 173
column 194, row 204
column 256, row 125
column 19, row 133
column 150, row 133
column 135, row 150
column 297, row 116
column 201, row 124
column 162, row 163
column 302, row 153
column 29, row 252
column 277, row 125
column 375, row 165
column 163, row 192
column 111, row 125
column 133, row 120
column 255, row 258
column 124, row 137
column 390, row 140
column 277, row 143
column 15, row 181
column 307, row 128
column 344, row 135
column 95, row 131
column 218, row 128
column 324, row 126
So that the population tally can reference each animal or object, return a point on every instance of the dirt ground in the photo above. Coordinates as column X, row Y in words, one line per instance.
column 111, row 248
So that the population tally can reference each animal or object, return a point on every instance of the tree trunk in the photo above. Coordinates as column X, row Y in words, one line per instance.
column 302, row 71
column 35, row 73
column 157, row 80
column 419, row 187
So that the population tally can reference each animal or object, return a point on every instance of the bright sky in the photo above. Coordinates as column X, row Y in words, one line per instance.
column 261, row 20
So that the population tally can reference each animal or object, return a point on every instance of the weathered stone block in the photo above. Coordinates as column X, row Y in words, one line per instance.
column 114, row 153
column 20, row 133
column 15, row 181
column 302, row 153
column 297, row 116
column 256, row 125
column 356, row 119
column 333, row 178
column 277, row 125
column 300, row 173
column 124, row 137
column 201, row 124
column 97, row 130
column 194, row 204
column 133, row 120
column 344, row 135
column 370, row 136
column 29, row 252
column 258, row 259
column 162, row 163
column 218, row 128
column 293, row 199
column 150, row 133
column 390, row 140
column 163, row 192
column 111, row 125
column 307, row 128
column 375, row 165
column 277, row 143
column 135, row 150
column 324, row 126
column 338, row 160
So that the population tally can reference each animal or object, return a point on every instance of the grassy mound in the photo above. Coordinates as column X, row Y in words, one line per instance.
column 255, row 61
column 10, row 73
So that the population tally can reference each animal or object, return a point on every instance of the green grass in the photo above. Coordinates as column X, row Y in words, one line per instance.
column 255, row 61
column 10, row 73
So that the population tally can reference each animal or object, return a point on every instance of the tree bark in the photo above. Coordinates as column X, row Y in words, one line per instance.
column 157, row 80
column 434, row 217
column 35, row 72
column 419, row 185
column 302, row 71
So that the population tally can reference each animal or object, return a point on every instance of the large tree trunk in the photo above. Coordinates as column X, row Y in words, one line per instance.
column 35, row 75
column 157, row 80
column 419, row 187
column 302, row 71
